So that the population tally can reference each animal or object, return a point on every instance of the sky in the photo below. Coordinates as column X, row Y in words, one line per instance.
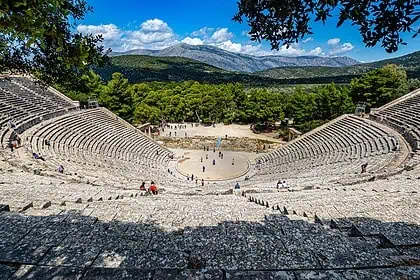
column 157, row 24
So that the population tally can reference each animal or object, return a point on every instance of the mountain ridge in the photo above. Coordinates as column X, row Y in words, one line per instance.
column 240, row 62
column 138, row 68
column 409, row 62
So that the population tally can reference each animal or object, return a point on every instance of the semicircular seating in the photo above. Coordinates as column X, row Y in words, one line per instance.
column 403, row 115
column 24, row 103
column 339, row 147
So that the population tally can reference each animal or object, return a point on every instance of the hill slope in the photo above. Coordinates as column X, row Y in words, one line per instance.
column 139, row 68
column 240, row 62
column 410, row 62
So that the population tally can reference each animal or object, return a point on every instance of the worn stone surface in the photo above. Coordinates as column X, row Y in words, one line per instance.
column 6, row 271
column 187, row 274
column 403, row 273
column 47, row 273
column 4, row 208
column 117, row 273
column 259, row 275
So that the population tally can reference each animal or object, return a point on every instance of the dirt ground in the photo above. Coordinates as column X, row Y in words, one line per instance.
column 220, row 130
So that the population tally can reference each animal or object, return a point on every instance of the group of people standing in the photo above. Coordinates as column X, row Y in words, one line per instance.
column 175, row 127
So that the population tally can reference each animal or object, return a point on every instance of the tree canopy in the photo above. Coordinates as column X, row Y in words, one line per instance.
column 39, row 37
column 380, row 86
column 309, row 106
column 288, row 21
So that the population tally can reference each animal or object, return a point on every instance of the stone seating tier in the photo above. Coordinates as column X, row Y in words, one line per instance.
column 402, row 115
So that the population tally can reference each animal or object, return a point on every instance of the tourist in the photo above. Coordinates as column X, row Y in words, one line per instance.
column 237, row 189
column 10, row 146
column 204, row 168
column 153, row 189
column 364, row 167
column 214, row 162
column 175, row 133
column 214, row 150
column 233, row 161
column 201, row 160
column 192, row 177
column 188, row 177
column 284, row 185
column 60, row 169
column 185, row 135
column 18, row 141
column 207, row 156
column 202, row 182
column 36, row 156
column 279, row 182
column 143, row 186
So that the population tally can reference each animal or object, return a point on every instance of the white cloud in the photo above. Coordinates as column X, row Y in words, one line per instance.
column 108, row 31
column 221, row 35
column 152, row 31
column 333, row 41
column 316, row 52
column 229, row 46
column 152, row 34
column 193, row 41
column 292, row 50
column 346, row 47
column 309, row 39
column 253, row 50
column 157, row 34
column 203, row 32
column 155, row 25
column 245, row 33
column 111, row 34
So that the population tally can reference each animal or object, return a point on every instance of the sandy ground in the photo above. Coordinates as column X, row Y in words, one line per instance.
column 220, row 130
column 190, row 163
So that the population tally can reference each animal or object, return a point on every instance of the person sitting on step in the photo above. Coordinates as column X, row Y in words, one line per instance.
column 153, row 189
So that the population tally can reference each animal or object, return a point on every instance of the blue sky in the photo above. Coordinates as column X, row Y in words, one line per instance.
column 148, row 24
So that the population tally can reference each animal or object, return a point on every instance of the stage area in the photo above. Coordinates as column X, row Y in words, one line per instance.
column 193, row 161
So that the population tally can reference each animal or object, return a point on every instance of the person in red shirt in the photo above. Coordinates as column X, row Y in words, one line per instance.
column 153, row 189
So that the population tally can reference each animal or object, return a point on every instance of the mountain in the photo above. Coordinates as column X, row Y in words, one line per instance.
column 410, row 62
column 240, row 62
column 140, row 68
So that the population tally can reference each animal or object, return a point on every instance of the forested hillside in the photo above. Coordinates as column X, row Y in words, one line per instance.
column 410, row 63
column 309, row 106
column 142, row 68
